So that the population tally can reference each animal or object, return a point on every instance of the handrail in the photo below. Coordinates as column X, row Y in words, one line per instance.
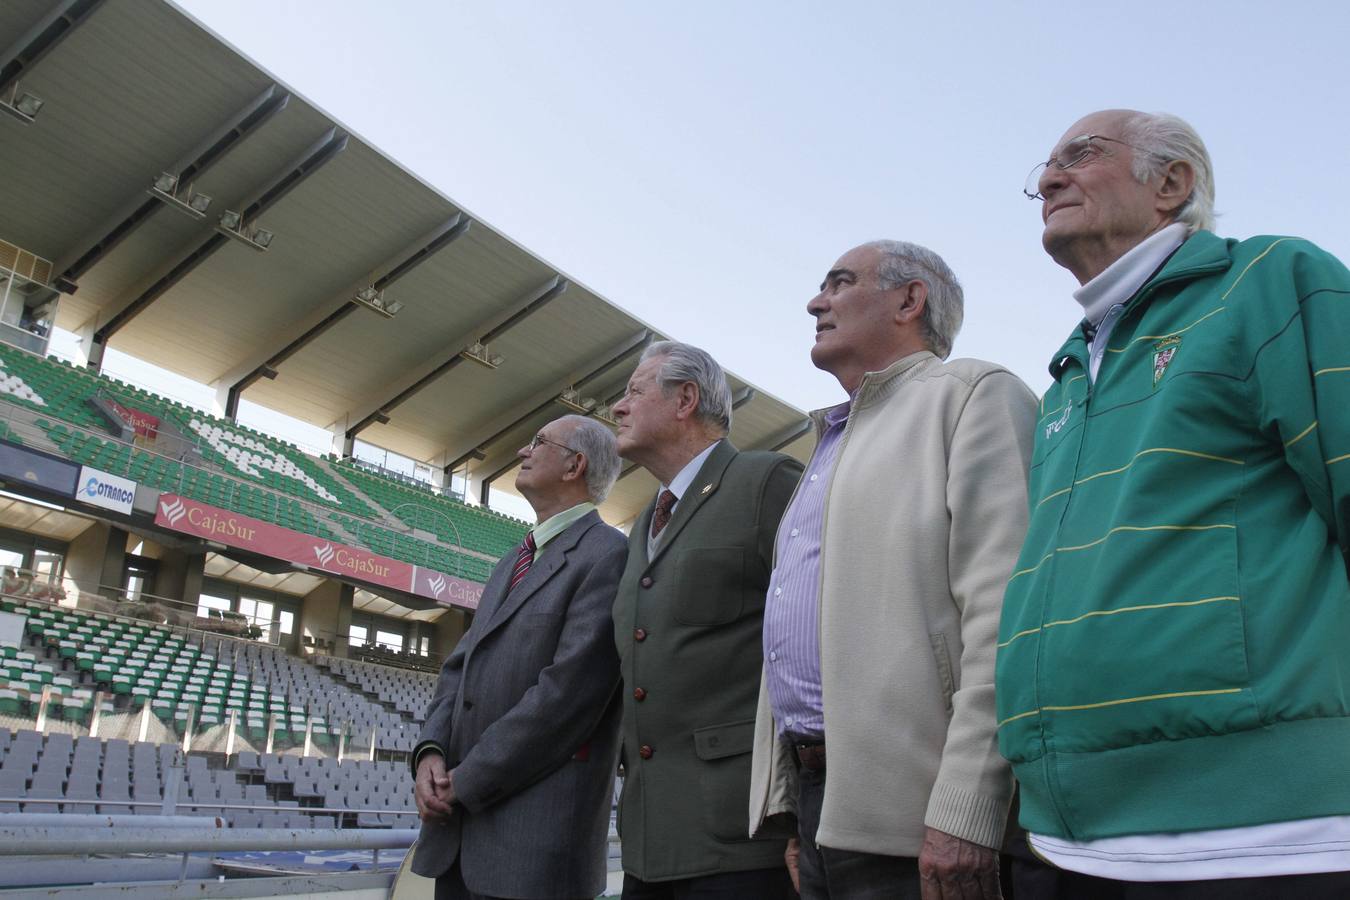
column 158, row 804
column 78, row 841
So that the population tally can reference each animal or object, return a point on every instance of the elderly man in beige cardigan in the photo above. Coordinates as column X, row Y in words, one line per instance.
column 876, row 731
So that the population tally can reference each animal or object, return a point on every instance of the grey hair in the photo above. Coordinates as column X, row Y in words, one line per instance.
column 685, row 362
column 1164, row 138
column 903, row 262
column 598, row 444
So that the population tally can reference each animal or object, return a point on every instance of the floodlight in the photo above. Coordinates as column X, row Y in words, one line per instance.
column 262, row 237
column 478, row 352
column 166, row 182
column 199, row 201
column 22, row 106
column 231, row 220
column 28, row 105
column 373, row 300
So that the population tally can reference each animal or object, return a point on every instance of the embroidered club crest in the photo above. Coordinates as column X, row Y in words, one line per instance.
column 1164, row 352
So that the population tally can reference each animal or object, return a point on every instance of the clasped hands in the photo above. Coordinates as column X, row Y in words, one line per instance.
column 434, row 789
column 949, row 868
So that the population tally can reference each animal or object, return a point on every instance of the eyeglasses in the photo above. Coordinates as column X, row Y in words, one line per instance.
column 1071, row 154
column 540, row 439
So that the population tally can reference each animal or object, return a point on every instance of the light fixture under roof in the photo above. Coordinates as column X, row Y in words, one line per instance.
column 21, row 105
column 573, row 400
column 187, row 201
column 606, row 415
column 373, row 300
column 478, row 352
column 232, row 225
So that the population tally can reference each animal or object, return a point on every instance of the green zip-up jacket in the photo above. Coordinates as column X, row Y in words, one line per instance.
column 1174, row 650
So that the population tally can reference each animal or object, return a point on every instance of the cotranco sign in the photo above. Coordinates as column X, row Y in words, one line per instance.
column 99, row 488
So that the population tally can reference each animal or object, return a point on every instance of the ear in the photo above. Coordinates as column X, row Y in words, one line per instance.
column 686, row 400
column 576, row 469
column 1177, row 184
column 913, row 298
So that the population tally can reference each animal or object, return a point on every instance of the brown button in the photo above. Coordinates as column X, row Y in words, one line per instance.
column 639, row 634
column 639, row 694
column 645, row 751
column 646, row 581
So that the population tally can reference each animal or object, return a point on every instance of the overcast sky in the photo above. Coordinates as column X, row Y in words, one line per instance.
column 702, row 164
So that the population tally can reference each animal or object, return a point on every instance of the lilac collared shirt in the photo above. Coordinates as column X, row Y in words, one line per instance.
column 792, row 611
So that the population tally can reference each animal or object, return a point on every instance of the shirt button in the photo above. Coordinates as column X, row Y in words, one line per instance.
column 778, row 592
column 795, row 532
column 639, row 694
column 787, row 721
column 646, row 581
column 773, row 657
column 645, row 751
column 639, row 634
column 814, row 477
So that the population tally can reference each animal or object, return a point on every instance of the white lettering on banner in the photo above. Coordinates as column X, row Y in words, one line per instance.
column 250, row 455
column 98, row 488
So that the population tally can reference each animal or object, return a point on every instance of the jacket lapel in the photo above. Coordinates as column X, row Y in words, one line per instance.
column 703, row 486
column 547, row 562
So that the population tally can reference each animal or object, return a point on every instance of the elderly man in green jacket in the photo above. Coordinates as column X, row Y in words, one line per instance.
column 1173, row 686
column 687, row 623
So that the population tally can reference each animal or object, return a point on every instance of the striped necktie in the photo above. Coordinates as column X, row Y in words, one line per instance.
column 523, row 561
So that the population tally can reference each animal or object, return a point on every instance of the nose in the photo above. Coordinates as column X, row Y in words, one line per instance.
column 818, row 304
column 620, row 409
column 524, row 451
column 1052, row 179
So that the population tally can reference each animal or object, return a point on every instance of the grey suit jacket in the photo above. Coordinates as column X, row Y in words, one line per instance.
column 526, row 713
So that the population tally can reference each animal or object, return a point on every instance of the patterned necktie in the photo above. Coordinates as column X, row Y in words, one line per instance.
column 661, row 515
column 523, row 561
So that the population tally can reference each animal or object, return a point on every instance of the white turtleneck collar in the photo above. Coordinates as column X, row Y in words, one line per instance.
column 1119, row 281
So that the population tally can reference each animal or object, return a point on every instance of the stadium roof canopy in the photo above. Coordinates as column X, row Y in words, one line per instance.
column 132, row 91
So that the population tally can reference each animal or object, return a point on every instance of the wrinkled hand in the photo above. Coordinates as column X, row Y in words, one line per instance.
column 790, row 857
column 434, row 789
column 953, row 869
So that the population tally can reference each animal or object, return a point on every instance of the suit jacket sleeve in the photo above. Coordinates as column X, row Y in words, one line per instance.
column 436, row 727
column 987, row 501
column 778, row 488
column 562, row 709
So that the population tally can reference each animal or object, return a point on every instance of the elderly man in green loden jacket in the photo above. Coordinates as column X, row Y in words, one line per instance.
column 687, row 622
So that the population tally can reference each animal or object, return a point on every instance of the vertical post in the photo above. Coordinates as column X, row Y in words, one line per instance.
column 98, row 714
column 342, row 741
column 309, row 734
column 188, row 725
column 229, row 740
column 145, row 719
column 173, row 779
column 42, row 708
column 374, row 729
column 271, row 730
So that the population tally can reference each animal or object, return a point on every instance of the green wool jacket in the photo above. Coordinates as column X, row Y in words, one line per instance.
column 687, row 623
column 1174, row 651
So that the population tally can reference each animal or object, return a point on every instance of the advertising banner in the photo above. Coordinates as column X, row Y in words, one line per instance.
column 37, row 468
column 214, row 524
column 98, row 488
column 145, row 424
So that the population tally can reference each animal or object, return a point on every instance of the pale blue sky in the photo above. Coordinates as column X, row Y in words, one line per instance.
column 701, row 164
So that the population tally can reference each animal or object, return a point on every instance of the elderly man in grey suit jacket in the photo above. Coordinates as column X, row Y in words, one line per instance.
column 515, row 768
column 687, row 620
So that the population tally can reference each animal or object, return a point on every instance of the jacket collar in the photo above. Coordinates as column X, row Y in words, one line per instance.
column 704, row 485
column 877, row 386
column 1202, row 254
column 551, row 558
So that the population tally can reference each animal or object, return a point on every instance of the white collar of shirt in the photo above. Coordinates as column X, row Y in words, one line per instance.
column 1119, row 281
column 680, row 483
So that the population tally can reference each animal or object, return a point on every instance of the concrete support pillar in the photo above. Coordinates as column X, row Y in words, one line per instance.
column 96, row 559
column 180, row 576
column 450, row 627
column 326, row 615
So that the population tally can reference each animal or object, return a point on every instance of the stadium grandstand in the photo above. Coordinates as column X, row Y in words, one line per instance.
column 216, row 646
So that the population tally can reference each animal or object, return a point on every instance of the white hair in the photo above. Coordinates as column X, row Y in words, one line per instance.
column 597, row 443
column 903, row 262
column 1164, row 138
column 685, row 362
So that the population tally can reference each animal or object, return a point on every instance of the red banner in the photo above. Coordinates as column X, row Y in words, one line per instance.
column 214, row 524
column 144, row 423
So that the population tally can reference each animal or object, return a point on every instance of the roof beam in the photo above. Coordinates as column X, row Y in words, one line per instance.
column 786, row 436
column 399, row 266
column 324, row 149
column 53, row 28
column 545, row 399
column 484, row 333
column 738, row 399
column 209, row 151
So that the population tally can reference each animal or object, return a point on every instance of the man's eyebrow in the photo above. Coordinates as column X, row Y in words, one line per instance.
column 835, row 274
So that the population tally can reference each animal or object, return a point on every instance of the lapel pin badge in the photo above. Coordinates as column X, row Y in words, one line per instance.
column 706, row 488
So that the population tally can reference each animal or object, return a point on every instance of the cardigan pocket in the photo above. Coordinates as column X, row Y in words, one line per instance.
column 938, row 640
